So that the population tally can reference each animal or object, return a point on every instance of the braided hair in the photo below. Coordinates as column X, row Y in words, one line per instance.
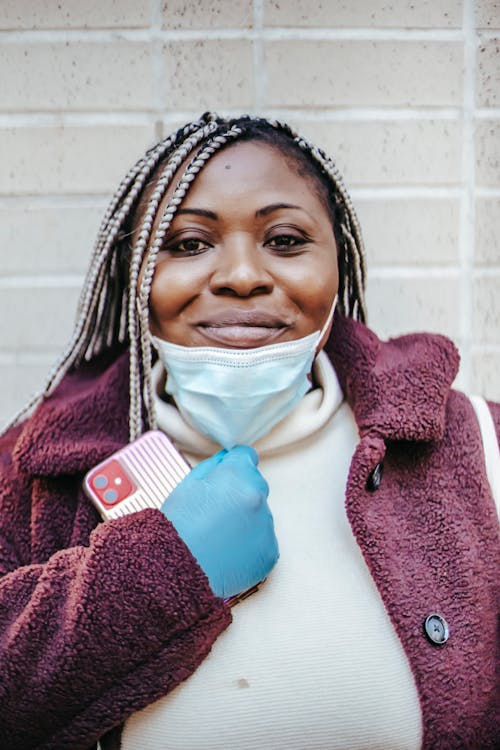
column 113, row 309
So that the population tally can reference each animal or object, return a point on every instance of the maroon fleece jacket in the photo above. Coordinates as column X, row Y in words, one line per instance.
column 99, row 620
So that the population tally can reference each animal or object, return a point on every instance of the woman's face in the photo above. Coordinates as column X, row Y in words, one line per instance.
column 250, row 257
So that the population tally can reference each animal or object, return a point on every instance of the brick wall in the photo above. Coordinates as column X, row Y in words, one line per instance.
column 405, row 95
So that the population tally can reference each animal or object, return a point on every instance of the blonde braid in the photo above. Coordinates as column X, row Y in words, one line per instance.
column 134, row 318
column 186, row 180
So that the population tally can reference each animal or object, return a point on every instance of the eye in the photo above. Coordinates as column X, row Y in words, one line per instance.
column 285, row 242
column 187, row 246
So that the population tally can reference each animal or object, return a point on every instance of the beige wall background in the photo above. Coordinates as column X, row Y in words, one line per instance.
column 405, row 95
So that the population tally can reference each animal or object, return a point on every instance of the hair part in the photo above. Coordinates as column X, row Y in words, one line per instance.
column 113, row 308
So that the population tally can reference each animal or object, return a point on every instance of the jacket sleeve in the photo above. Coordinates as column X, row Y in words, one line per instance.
column 97, row 632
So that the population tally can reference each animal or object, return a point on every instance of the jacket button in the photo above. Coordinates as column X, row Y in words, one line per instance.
column 436, row 629
column 375, row 477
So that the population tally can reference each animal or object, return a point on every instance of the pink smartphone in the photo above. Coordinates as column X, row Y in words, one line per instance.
column 140, row 475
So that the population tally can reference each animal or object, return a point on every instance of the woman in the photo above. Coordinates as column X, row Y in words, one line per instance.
column 225, row 250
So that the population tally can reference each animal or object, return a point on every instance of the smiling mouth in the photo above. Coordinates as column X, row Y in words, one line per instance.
column 243, row 330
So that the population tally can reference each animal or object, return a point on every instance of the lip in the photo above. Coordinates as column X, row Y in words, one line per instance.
column 242, row 328
column 241, row 337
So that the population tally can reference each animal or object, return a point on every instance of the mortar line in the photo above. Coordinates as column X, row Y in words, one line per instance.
column 12, row 357
column 40, row 36
column 485, row 113
column 488, row 192
column 85, row 118
column 259, row 70
column 467, row 223
column 157, row 67
column 42, row 281
column 486, row 348
column 368, row 114
column 413, row 272
column 405, row 192
column 56, row 200
column 58, row 118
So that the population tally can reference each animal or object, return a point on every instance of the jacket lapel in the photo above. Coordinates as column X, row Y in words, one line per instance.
column 397, row 389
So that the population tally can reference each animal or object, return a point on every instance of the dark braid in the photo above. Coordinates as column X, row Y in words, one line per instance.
column 113, row 306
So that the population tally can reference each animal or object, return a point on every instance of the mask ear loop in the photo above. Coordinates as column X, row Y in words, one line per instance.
column 326, row 325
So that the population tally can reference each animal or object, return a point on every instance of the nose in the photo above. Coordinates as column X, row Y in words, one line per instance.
column 240, row 270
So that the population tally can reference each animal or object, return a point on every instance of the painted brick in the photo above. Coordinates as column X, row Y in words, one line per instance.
column 51, row 236
column 209, row 74
column 488, row 73
column 410, row 232
column 91, row 14
column 409, row 152
column 400, row 305
column 488, row 152
column 41, row 76
column 487, row 14
column 47, row 239
column 363, row 73
column 488, row 232
column 19, row 382
column 486, row 314
column 485, row 380
column 68, row 159
column 53, row 306
column 359, row 13
column 218, row 14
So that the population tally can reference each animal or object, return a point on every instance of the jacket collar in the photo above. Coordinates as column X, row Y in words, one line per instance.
column 397, row 390
column 82, row 422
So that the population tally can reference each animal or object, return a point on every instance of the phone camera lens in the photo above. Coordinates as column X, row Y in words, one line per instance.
column 110, row 496
column 100, row 481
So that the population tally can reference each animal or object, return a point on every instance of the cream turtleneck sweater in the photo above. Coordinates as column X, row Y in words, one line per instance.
column 311, row 661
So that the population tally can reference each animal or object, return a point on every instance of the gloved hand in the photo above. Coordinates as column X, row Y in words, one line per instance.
column 220, row 511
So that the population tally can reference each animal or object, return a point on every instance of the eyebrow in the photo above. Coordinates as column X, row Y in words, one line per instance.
column 198, row 212
column 265, row 211
column 275, row 207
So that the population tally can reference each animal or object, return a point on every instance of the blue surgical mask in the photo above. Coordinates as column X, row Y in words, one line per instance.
column 235, row 396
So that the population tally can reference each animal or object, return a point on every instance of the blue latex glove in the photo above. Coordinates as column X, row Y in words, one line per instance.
column 220, row 511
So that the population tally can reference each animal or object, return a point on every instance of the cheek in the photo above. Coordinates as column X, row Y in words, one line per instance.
column 318, row 288
column 169, row 292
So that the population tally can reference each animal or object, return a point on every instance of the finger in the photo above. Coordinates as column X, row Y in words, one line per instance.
column 242, row 480
column 204, row 467
column 242, row 452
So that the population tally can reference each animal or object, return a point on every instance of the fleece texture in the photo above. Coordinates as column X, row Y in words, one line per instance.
column 99, row 620
column 96, row 620
column 429, row 533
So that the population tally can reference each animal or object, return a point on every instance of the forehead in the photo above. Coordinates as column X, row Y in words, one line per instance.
column 247, row 169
